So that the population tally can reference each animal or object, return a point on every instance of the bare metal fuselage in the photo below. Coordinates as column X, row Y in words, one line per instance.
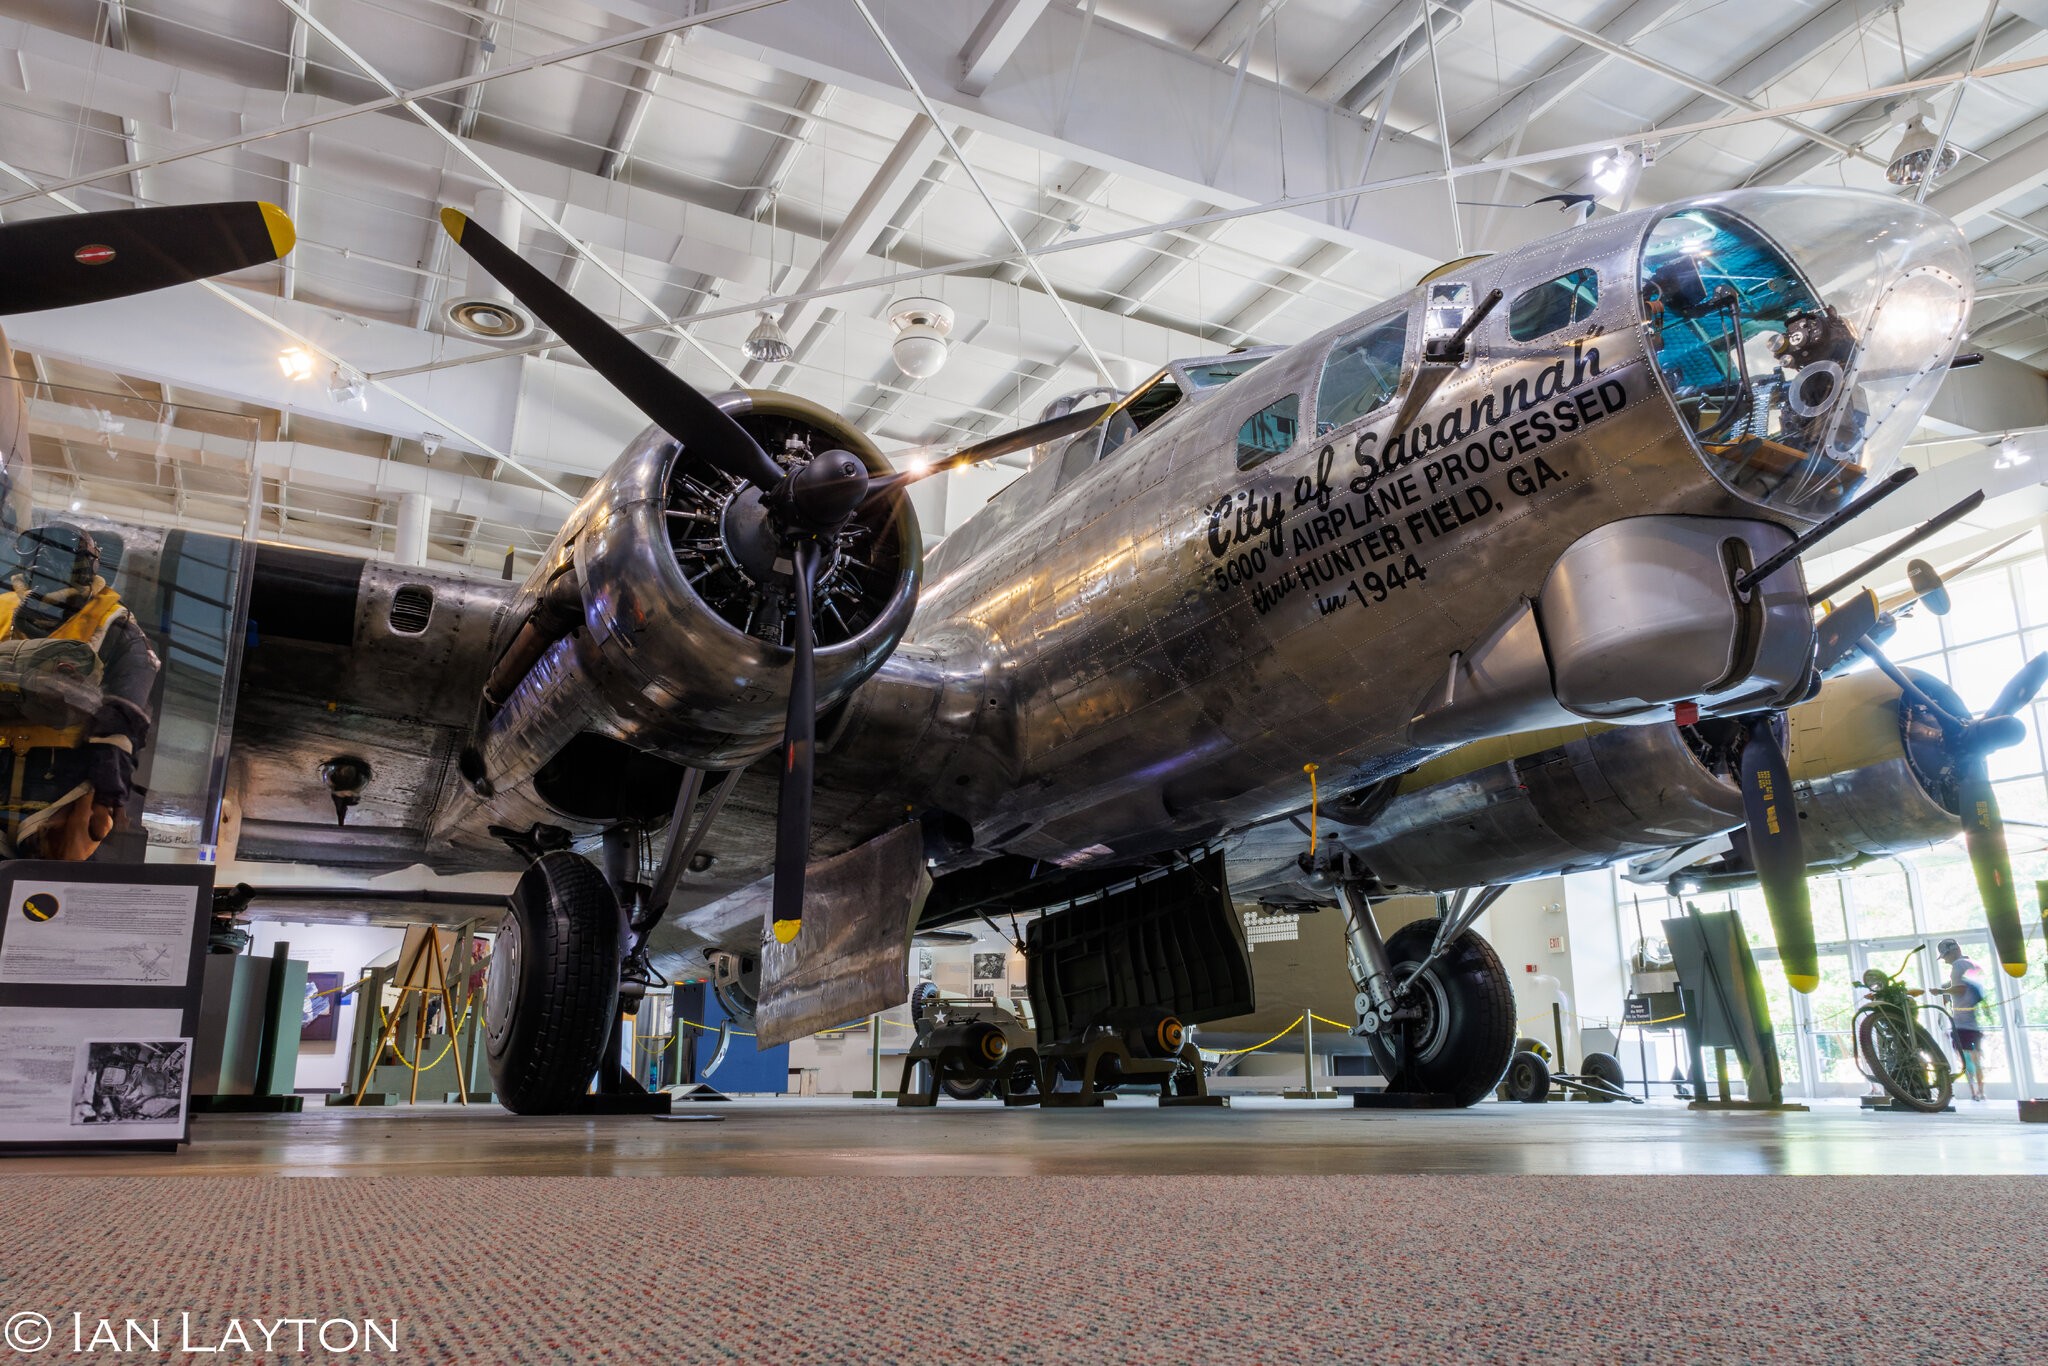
column 1141, row 654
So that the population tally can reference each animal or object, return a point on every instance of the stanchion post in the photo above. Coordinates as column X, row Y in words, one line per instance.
column 1308, row 1052
column 875, row 1056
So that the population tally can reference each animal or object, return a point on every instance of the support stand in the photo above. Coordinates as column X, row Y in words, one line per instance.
column 1105, row 1063
column 618, row 1091
column 421, row 971
column 1723, row 1100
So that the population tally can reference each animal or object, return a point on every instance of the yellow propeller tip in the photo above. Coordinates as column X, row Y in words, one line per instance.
column 785, row 930
column 454, row 220
column 283, row 236
column 1803, row 983
column 2014, row 969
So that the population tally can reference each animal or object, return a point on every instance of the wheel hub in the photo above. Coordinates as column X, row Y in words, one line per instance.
column 501, row 984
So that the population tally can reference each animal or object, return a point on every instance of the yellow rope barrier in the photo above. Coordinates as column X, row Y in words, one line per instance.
column 1233, row 1052
column 453, row 1035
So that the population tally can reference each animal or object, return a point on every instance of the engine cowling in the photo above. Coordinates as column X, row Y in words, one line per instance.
column 1871, row 778
column 660, row 619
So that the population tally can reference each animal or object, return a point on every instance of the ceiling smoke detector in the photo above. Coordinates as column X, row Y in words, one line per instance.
column 922, row 326
column 496, row 320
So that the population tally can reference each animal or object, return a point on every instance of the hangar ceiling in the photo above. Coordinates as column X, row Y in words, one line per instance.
column 1093, row 186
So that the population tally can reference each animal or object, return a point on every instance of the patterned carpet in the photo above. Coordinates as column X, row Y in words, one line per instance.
column 1146, row 1270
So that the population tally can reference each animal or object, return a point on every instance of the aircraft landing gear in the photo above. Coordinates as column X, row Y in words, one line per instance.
column 554, row 985
column 1434, row 1003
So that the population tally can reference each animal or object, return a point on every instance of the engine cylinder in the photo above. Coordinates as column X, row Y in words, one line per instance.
column 682, row 645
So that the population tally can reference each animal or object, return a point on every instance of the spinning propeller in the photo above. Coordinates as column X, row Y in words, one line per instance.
column 809, row 503
column 86, row 258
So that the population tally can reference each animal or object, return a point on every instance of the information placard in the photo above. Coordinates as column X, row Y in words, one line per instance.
column 100, row 976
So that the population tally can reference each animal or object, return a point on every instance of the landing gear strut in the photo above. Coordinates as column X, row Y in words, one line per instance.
column 1434, row 1003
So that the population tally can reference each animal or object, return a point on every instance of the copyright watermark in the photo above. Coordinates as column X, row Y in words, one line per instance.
column 28, row 1331
column 73, row 1333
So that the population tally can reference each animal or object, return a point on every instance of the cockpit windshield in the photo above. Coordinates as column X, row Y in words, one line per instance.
column 1214, row 373
column 1801, row 335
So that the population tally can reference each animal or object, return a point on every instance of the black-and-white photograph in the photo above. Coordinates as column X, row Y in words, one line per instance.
column 130, row 1081
column 989, row 967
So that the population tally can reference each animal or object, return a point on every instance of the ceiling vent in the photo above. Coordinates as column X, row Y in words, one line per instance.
column 412, row 607
column 493, row 320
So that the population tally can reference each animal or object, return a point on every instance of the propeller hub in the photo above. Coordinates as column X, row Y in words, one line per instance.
column 818, row 497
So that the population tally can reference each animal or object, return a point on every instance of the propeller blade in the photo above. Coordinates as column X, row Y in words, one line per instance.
column 1022, row 439
column 2021, row 690
column 793, row 807
column 1775, row 847
column 1949, row 721
column 1984, row 837
column 1841, row 629
column 705, row 429
column 1912, row 594
column 1927, row 587
column 84, row 258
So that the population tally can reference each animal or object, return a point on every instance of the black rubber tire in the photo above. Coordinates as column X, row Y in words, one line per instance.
column 1928, row 1091
column 970, row 1089
column 1463, row 1055
column 1019, row 1073
column 1528, row 1079
column 1602, row 1067
column 554, row 986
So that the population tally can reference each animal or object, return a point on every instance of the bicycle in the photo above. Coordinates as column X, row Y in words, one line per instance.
column 1897, row 1051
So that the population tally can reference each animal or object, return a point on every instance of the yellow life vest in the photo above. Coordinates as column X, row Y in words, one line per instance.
column 89, row 623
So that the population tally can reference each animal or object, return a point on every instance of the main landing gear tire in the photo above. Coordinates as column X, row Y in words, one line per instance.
column 554, row 986
column 1461, row 1044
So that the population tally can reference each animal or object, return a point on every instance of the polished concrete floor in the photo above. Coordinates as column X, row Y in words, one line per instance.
column 785, row 1136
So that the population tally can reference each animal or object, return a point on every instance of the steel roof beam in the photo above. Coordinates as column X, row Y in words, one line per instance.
column 1560, row 79
column 994, row 41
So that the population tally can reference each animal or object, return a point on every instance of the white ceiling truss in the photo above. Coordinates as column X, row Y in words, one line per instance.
column 1094, row 187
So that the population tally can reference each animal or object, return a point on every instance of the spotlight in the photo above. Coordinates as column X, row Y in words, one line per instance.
column 1912, row 161
column 1616, row 172
column 296, row 362
column 922, row 326
column 766, row 342
column 346, row 386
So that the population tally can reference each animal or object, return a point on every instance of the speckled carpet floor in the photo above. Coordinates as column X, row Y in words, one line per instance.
column 1024, row 1269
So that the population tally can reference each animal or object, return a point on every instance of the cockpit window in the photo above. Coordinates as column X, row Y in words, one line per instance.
column 1553, row 304
column 1221, row 372
column 1801, row 337
column 1153, row 402
column 1268, row 432
column 1362, row 372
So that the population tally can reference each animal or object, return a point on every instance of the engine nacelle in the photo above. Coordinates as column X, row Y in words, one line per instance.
column 1871, row 778
column 661, row 620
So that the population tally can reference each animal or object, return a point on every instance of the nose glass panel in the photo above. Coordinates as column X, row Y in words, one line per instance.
column 1802, row 333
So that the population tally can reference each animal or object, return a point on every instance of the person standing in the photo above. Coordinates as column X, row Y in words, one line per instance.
column 1965, row 994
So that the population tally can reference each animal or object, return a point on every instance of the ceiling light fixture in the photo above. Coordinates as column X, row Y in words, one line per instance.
column 922, row 326
column 296, row 362
column 2010, row 455
column 1915, row 154
column 766, row 343
column 346, row 386
column 1616, row 172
